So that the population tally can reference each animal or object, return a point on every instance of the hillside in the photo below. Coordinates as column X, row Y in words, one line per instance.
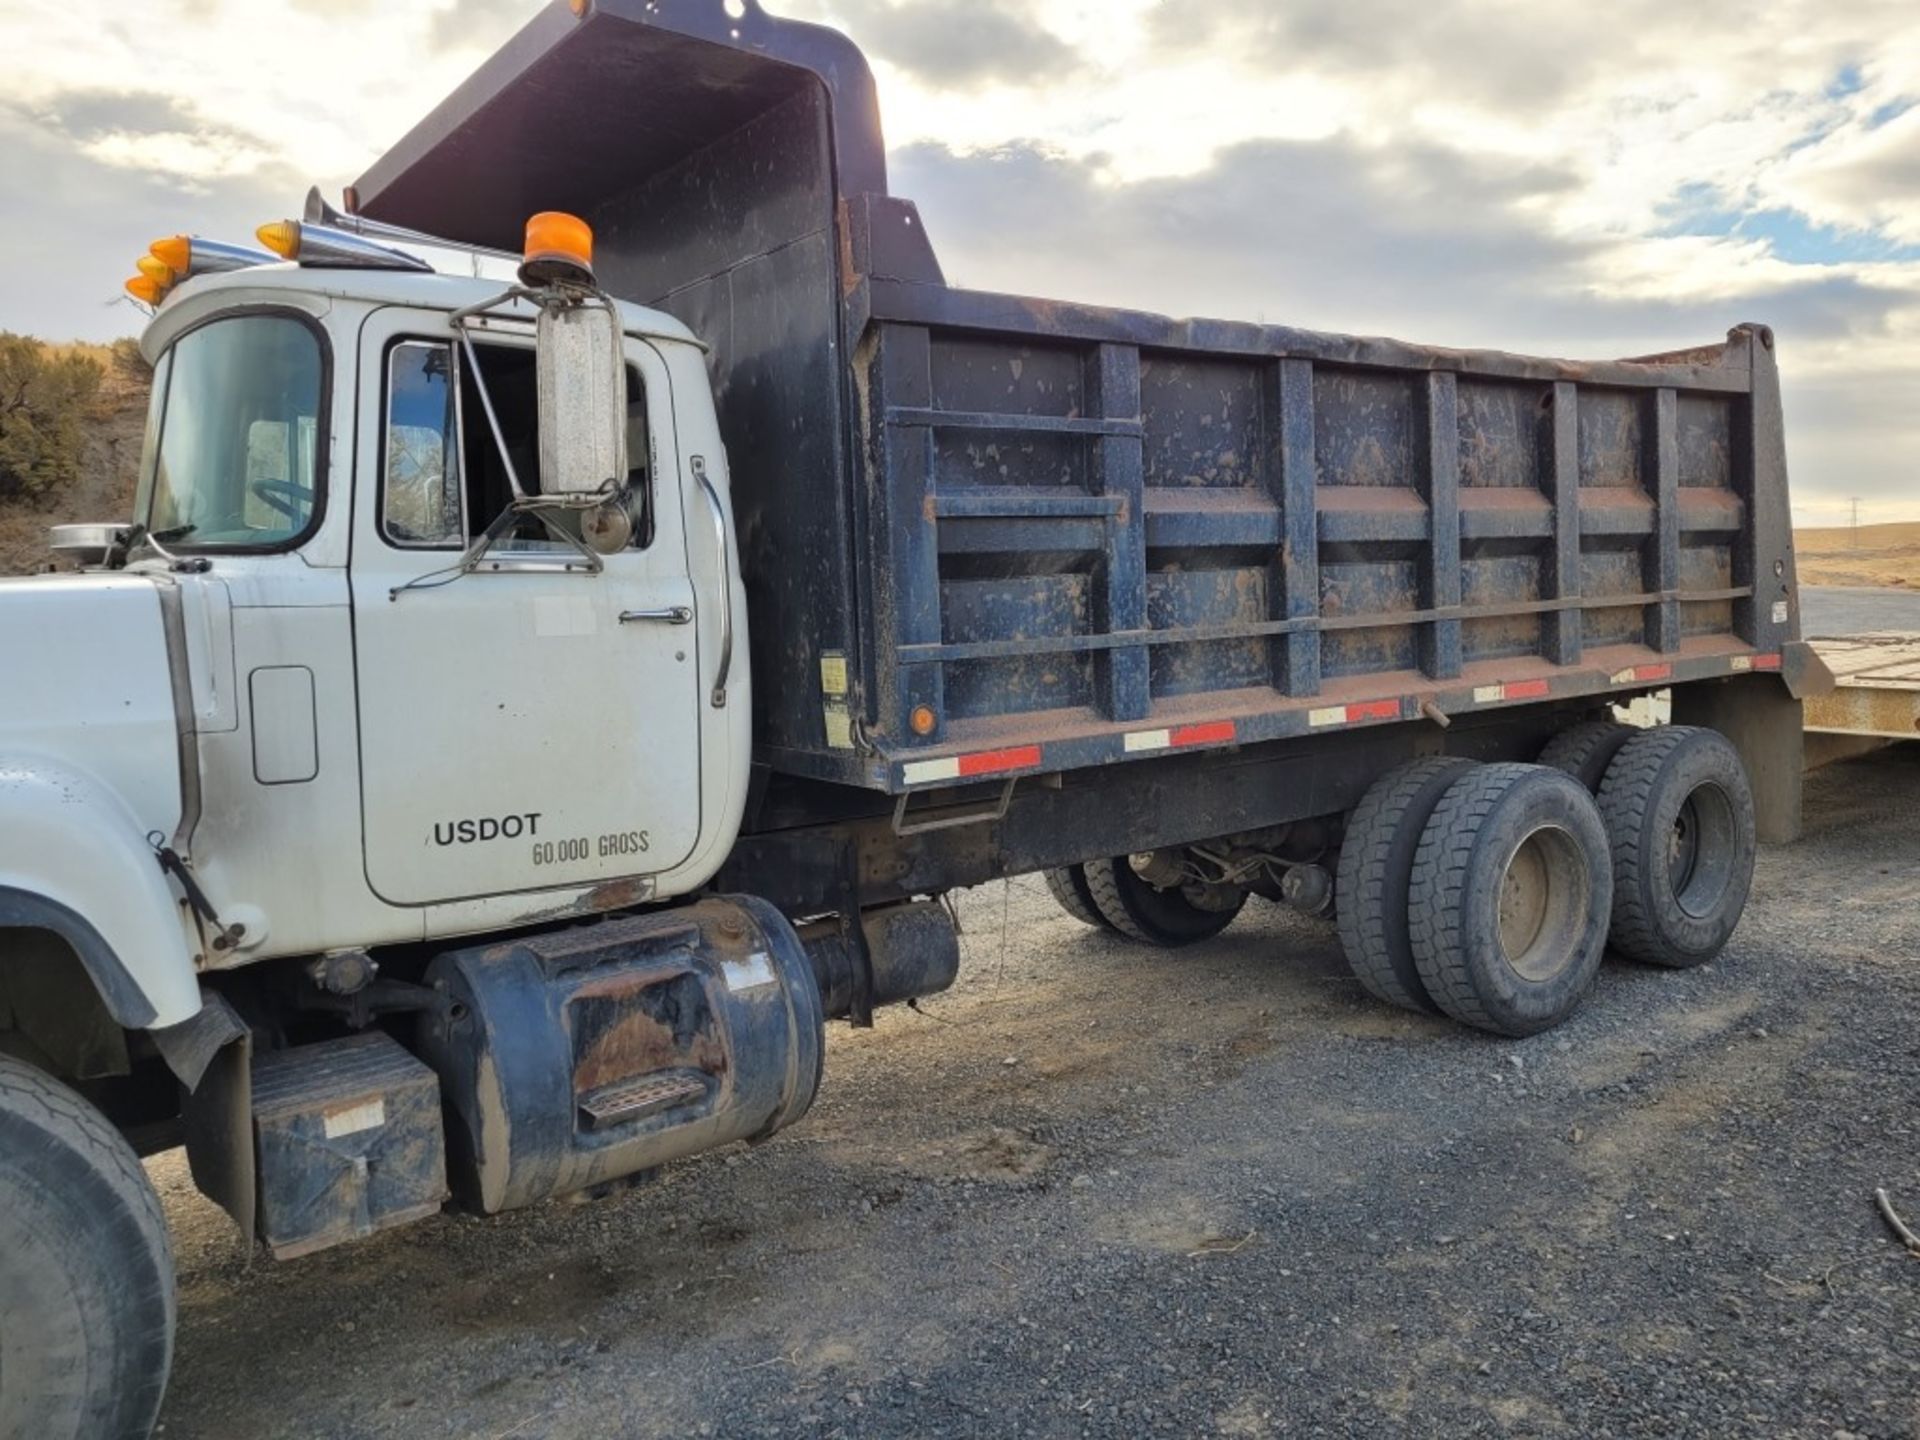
column 1871, row 555
column 108, row 464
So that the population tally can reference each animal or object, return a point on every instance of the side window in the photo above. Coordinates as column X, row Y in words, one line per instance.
column 445, row 478
column 422, row 503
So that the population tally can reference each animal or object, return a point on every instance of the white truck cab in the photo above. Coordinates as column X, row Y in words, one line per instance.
column 427, row 624
column 338, row 733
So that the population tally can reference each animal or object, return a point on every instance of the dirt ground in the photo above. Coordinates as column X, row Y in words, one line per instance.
column 1103, row 1191
column 1872, row 555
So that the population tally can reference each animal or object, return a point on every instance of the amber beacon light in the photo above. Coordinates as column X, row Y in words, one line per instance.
column 559, row 250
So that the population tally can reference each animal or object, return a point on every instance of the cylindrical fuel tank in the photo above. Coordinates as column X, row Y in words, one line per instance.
column 588, row 1054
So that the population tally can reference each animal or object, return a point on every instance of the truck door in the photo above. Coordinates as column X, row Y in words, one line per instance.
column 531, row 725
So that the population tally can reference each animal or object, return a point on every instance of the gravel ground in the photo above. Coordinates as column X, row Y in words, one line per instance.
column 1101, row 1191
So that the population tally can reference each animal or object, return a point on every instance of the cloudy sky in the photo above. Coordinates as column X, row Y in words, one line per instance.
column 1575, row 178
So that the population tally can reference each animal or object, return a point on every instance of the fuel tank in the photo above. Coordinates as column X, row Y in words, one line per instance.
column 574, row 1058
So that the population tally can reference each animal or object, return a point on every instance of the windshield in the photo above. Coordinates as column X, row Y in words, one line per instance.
column 239, row 431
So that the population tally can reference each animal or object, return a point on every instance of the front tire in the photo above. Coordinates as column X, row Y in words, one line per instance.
column 1140, row 911
column 87, row 1300
column 1679, row 812
column 1511, row 893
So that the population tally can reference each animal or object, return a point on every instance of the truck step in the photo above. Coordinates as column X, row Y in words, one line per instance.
column 642, row 1096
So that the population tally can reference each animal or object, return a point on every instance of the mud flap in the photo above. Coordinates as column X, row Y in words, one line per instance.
column 1765, row 722
column 212, row 1054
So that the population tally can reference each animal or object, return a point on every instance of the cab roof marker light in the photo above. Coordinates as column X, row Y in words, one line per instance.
column 174, row 251
column 146, row 290
column 282, row 237
column 322, row 247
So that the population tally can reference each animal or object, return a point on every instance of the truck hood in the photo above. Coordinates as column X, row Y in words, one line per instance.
column 90, row 687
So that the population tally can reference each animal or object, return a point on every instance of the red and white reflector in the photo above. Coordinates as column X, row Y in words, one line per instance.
column 971, row 767
column 1643, row 674
column 1514, row 690
column 1354, row 714
column 1180, row 737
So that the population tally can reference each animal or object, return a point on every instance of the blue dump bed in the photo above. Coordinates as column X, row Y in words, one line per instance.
column 990, row 536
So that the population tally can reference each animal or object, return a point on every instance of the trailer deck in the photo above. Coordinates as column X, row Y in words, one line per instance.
column 1876, row 691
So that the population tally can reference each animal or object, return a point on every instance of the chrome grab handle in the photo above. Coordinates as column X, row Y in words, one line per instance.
column 699, row 464
column 671, row 615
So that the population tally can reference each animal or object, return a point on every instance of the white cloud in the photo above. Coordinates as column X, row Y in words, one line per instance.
column 1588, row 179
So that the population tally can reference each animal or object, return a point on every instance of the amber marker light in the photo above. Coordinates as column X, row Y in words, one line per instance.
column 145, row 289
column 282, row 237
column 155, row 270
column 175, row 252
column 924, row 720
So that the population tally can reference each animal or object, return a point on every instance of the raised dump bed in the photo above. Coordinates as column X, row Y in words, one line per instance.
column 986, row 535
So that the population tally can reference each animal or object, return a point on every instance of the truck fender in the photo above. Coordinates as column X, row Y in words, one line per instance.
column 75, row 860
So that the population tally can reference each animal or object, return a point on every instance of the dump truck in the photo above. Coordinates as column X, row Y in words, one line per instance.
column 593, row 595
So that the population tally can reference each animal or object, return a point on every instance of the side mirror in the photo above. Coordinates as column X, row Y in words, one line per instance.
column 581, row 377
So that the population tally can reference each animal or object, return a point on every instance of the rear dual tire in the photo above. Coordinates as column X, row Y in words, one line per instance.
column 1112, row 895
column 1068, row 885
column 1140, row 911
column 1376, row 867
column 1679, row 811
column 1510, row 897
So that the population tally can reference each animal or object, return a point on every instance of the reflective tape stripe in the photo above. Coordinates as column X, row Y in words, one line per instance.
column 1354, row 714
column 995, row 762
column 966, row 767
column 1518, row 690
column 1212, row 732
column 1640, row 674
column 1374, row 710
column 1215, row 732
column 1766, row 662
column 920, row 772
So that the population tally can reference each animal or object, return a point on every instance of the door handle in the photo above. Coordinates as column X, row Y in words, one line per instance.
column 669, row 615
column 699, row 467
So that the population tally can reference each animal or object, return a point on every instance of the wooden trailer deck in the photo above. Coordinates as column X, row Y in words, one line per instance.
column 1877, row 694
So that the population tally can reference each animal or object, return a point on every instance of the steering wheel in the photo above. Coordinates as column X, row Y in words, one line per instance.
column 291, row 500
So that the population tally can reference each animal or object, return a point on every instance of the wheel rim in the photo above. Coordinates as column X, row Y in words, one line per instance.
column 1700, row 851
column 1544, row 894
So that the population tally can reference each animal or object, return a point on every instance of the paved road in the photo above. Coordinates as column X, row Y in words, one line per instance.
column 1850, row 610
column 1097, row 1191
